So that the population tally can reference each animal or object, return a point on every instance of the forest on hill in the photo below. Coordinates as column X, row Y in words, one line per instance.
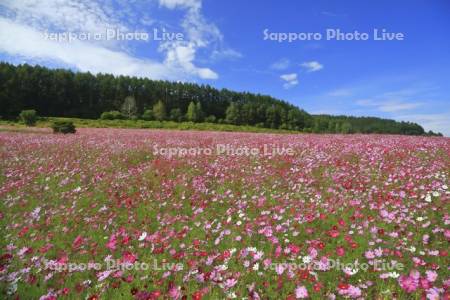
column 64, row 93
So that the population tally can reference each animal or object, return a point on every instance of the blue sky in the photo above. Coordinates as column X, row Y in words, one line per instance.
column 223, row 45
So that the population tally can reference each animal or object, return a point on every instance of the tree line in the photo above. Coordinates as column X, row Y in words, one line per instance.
column 63, row 93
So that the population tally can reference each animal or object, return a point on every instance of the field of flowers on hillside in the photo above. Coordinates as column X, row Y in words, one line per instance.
column 126, row 214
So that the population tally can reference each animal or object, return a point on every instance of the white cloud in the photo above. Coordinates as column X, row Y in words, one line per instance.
column 191, row 4
column 388, row 105
column 439, row 122
column 225, row 54
column 281, row 64
column 182, row 56
column 398, row 106
column 340, row 93
column 27, row 42
column 73, row 16
column 290, row 80
column 312, row 66
column 23, row 21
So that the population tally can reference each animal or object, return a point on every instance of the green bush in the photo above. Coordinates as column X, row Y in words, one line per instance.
column 211, row 119
column 112, row 115
column 29, row 117
column 63, row 127
column 148, row 115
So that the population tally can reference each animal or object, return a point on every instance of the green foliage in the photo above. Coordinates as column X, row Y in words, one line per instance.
column 112, row 115
column 29, row 117
column 63, row 127
column 233, row 114
column 148, row 115
column 63, row 93
column 346, row 127
column 159, row 111
column 129, row 107
column 194, row 112
column 176, row 115
column 211, row 119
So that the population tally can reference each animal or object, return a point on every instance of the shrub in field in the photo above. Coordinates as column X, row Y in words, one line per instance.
column 159, row 111
column 29, row 117
column 210, row 119
column 63, row 127
column 176, row 115
column 112, row 115
column 148, row 115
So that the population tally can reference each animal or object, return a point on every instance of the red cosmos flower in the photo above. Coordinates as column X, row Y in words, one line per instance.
column 126, row 240
column 196, row 243
column 321, row 245
column 340, row 251
column 45, row 248
column 381, row 231
column 65, row 291
column 32, row 279
column 93, row 297
column 353, row 245
column 6, row 256
column 343, row 286
column 333, row 233
column 341, row 222
column 191, row 263
column 178, row 255
column 317, row 287
column 294, row 248
column 24, row 231
column 197, row 295
column 156, row 294
column 158, row 250
column 77, row 242
column 128, row 257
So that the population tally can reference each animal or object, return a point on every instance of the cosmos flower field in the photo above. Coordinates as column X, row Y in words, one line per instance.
column 100, row 215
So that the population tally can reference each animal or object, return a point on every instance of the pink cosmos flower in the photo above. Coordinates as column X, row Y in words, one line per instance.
column 229, row 283
column 111, row 245
column 433, row 294
column 175, row 293
column 301, row 292
column 408, row 283
column 369, row 254
column 279, row 268
column 431, row 275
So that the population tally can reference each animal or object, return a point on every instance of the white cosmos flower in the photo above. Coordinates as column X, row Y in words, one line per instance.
column 394, row 275
column 143, row 236
column 256, row 267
